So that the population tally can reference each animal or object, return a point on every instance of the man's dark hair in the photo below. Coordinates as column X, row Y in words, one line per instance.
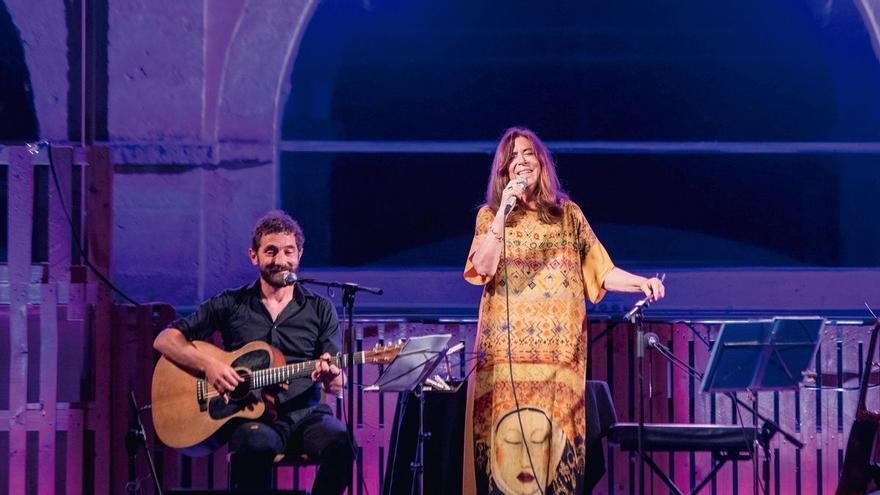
column 277, row 222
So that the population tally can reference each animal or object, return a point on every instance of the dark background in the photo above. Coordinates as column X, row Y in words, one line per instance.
column 753, row 71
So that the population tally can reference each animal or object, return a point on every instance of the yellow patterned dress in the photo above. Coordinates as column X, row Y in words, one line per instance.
column 552, row 268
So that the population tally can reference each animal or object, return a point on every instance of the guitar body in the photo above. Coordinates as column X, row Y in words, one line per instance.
column 857, row 476
column 195, row 426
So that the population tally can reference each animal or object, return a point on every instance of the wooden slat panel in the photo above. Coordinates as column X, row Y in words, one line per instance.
column 142, row 378
column 60, row 234
column 371, row 437
column 810, row 425
column 855, row 345
column 74, row 454
column 171, row 470
column 19, row 221
column 221, row 467
column 200, row 472
column 701, row 403
column 122, row 362
column 99, row 207
column 656, row 386
column 284, row 477
column 746, row 469
column 625, row 470
column 48, row 386
column 57, row 289
column 723, row 415
column 680, row 340
column 77, row 298
column 789, row 477
column 830, row 439
column 76, row 425
column 597, row 350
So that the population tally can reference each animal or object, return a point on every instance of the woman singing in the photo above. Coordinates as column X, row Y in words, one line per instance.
column 526, row 404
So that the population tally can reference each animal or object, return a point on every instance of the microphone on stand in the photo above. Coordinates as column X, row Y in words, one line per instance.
column 512, row 201
column 641, row 303
column 652, row 339
column 291, row 278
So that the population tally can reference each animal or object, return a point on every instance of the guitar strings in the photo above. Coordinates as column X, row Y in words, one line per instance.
column 294, row 368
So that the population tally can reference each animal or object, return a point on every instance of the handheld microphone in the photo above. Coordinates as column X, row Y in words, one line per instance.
column 290, row 278
column 512, row 201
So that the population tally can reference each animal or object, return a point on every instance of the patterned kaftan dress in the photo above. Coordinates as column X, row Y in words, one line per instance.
column 552, row 268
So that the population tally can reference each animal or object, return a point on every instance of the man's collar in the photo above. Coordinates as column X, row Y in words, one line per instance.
column 300, row 292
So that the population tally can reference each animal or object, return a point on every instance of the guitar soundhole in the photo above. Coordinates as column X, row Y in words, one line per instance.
column 244, row 388
column 241, row 397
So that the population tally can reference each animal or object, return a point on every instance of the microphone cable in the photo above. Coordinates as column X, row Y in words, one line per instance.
column 76, row 240
column 522, row 429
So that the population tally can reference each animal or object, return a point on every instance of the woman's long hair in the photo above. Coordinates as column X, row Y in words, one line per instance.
column 549, row 196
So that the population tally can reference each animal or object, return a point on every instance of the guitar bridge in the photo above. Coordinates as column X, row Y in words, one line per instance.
column 201, row 394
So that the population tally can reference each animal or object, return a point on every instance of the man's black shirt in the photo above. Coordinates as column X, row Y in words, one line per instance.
column 306, row 328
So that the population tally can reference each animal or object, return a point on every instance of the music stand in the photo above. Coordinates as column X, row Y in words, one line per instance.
column 407, row 373
column 759, row 356
column 762, row 355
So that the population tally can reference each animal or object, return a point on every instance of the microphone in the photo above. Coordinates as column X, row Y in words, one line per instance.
column 512, row 201
column 652, row 339
column 291, row 278
column 640, row 304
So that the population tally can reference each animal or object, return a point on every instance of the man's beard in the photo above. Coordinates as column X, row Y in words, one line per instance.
column 274, row 276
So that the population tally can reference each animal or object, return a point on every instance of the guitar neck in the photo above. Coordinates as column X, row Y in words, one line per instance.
column 281, row 374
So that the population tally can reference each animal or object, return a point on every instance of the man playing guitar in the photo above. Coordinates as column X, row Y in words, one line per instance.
column 299, row 323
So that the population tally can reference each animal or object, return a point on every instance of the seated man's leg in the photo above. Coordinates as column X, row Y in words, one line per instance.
column 325, row 440
column 254, row 446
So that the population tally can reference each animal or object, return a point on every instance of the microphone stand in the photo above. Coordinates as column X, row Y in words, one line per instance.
column 135, row 436
column 636, row 315
column 349, row 290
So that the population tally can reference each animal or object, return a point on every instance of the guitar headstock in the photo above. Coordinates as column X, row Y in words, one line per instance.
column 382, row 354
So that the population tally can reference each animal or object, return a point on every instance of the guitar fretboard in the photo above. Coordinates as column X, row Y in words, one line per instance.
column 281, row 374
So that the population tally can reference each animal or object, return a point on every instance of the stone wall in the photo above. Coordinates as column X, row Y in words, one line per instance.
column 194, row 95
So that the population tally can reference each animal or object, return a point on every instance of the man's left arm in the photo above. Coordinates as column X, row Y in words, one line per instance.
column 331, row 377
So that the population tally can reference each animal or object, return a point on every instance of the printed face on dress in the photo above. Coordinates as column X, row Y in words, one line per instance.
column 524, row 162
column 511, row 467
column 277, row 255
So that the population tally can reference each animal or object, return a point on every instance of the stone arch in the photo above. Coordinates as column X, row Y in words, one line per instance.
column 18, row 119
column 43, row 34
column 256, row 75
column 254, row 82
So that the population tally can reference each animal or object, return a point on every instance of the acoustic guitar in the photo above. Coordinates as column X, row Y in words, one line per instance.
column 189, row 414
column 860, row 473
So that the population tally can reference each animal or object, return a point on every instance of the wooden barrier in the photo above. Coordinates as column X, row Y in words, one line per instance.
column 59, row 331
column 821, row 419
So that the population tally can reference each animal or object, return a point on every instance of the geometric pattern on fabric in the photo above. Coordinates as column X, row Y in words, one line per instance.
column 550, row 270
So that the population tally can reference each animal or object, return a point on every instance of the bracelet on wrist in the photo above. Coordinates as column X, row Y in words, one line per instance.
column 497, row 236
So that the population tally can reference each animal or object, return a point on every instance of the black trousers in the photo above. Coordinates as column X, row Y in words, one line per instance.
column 319, row 435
